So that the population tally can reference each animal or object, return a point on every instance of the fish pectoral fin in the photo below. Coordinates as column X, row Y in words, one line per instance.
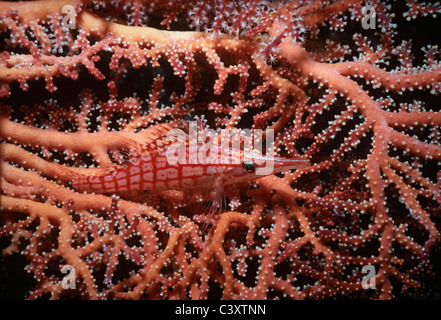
column 209, row 202
column 219, row 202
column 214, row 202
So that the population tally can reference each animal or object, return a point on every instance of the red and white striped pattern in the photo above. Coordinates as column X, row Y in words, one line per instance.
column 153, row 172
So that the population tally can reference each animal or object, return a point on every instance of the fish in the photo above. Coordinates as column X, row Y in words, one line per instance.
column 151, row 169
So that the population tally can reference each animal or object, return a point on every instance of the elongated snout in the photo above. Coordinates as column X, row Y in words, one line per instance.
column 284, row 164
column 269, row 165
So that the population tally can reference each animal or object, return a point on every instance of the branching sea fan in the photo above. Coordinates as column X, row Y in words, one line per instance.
column 351, row 87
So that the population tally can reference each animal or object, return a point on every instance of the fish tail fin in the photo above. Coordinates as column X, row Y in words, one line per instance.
column 82, row 181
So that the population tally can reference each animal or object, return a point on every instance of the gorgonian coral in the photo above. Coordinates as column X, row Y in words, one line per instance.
column 350, row 85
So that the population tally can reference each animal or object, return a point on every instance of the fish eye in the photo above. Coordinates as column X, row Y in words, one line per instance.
column 249, row 167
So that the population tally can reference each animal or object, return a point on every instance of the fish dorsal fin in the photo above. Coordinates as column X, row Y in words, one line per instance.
column 157, row 137
column 149, row 140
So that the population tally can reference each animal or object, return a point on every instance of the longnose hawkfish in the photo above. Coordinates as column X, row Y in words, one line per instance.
column 152, row 170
